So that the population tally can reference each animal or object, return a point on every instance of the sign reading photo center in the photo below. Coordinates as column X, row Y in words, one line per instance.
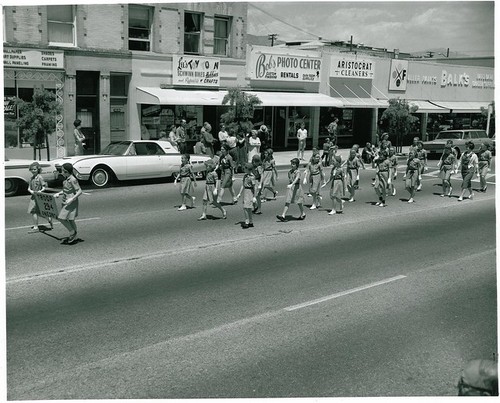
column 263, row 65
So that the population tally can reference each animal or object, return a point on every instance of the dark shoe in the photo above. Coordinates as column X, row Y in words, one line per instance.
column 250, row 225
column 281, row 218
column 302, row 217
column 257, row 212
column 72, row 238
column 245, row 225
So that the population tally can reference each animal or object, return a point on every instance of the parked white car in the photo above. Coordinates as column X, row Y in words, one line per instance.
column 17, row 174
column 131, row 159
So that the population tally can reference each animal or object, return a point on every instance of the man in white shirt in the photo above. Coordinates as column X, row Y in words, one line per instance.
column 301, row 136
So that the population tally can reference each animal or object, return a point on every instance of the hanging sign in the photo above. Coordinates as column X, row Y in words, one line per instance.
column 33, row 58
column 283, row 67
column 196, row 71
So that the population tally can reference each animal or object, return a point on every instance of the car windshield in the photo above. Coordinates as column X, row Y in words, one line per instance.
column 449, row 135
column 116, row 148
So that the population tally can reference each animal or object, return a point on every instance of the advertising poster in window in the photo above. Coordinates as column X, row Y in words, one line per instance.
column 196, row 71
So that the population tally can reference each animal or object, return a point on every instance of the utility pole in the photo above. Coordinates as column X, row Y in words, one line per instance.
column 272, row 37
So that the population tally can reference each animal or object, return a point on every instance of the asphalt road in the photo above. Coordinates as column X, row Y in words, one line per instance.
column 154, row 304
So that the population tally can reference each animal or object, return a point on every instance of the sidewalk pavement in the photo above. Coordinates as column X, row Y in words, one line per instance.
column 282, row 158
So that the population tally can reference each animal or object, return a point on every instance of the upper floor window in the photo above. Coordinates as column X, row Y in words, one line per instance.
column 139, row 28
column 192, row 33
column 61, row 25
column 221, row 36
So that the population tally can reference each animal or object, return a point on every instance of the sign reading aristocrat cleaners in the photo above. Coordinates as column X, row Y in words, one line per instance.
column 196, row 71
column 350, row 67
column 33, row 58
column 283, row 67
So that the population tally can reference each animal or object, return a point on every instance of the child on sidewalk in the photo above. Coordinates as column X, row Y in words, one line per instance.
column 36, row 184
column 212, row 186
column 249, row 187
column 325, row 157
column 187, row 181
column 294, row 193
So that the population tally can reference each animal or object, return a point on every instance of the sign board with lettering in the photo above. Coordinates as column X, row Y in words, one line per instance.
column 47, row 204
column 196, row 71
column 263, row 65
column 352, row 67
column 33, row 58
column 398, row 77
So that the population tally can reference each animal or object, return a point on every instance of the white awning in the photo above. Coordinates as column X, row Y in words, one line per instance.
column 296, row 99
column 357, row 102
column 170, row 96
column 427, row 107
column 462, row 106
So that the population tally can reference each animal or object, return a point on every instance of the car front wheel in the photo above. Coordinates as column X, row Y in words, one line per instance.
column 11, row 186
column 101, row 177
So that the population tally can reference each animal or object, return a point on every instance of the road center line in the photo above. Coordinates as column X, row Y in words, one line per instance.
column 343, row 293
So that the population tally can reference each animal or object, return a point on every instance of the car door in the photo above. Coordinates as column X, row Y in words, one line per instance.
column 147, row 161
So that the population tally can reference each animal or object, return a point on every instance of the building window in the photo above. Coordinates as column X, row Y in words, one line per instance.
column 192, row 33
column 139, row 28
column 221, row 36
column 61, row 25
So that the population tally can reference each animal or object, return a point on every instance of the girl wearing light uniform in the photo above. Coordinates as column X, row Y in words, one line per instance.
column 468, row 166
column 249, row 190
column 212, row 186
column 337, row 186
column 393, row 170
column 352, row 164
column 484, row 163
column 226, row 165
column 295, row 193
column 314, row 173
column 412, row 174
column 258, row 171
column 382, row 178
column 270, row 173
column 447, row 165
column 187, row 181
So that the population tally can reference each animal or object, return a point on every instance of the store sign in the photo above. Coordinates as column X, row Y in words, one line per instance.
column 399, row 75
column 347, row 67
column 277, row 67
column 9, row 107
column 33, row 58
column 196, row 71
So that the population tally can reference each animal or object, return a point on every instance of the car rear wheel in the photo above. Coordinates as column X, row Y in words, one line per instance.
column 101, row 177
column 11, row 186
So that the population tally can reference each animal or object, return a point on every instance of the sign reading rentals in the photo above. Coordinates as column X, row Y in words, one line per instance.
column 399, row 75
column 33, row 58
column 283, row 67
column 196, row 71
column 347, row 67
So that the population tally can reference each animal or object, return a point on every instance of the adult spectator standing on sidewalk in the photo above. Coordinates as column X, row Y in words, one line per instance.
column 231, row 144
column 223, row 135
column 302, row 137
column 79, row 137
column 207, row 139
column 253, row 145
column 181, row 137
column 332, row 130
column 265, row 140
column 172, row 136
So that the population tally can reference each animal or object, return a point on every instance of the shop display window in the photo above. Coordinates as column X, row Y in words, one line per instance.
column 158, row 118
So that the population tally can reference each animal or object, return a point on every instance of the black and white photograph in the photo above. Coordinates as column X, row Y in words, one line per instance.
column 249, row 200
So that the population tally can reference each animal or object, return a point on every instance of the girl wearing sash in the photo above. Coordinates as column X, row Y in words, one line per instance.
column 314, row 172
column 468, row 166
column 412, row 173
column 249, row 190
column 187, row 181
column 382, row 178
column 212, row 185
column 295, row 193
column 447, row 165
column 484, row 163
column 226, row 165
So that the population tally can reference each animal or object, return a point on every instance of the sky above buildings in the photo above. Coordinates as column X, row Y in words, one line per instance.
column 410, row 26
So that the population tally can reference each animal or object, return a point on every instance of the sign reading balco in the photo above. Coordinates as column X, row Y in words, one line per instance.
column 286, row 68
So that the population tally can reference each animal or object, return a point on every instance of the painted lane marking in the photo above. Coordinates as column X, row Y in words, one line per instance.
column 55, row 222
column 343, row 293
